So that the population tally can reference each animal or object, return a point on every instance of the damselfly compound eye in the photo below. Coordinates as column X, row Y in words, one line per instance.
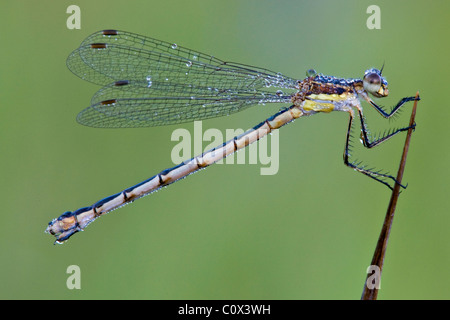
column 372, row 82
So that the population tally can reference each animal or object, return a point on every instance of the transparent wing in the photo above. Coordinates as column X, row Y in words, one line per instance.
column 134, row 104
column 153, row 82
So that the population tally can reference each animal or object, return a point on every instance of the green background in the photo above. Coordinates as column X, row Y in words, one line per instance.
column 307, row 232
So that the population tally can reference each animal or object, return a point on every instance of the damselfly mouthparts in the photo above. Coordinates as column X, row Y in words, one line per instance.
column 148, row 82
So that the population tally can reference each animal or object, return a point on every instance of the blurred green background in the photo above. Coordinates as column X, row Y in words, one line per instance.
column 308, row 232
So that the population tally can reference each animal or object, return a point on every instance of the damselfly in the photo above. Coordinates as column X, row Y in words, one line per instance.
column 148, row 82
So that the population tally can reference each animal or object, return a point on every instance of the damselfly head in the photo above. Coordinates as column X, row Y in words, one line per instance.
column 375, row 84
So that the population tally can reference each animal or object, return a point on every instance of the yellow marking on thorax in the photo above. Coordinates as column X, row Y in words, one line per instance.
column 310, row 105
column 316, row 102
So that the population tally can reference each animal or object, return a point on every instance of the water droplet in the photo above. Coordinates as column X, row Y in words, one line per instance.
column 174, row 46
column 189, row 64
column 279, row 93
column 149, row 81
column 194, row 57
column 311, row 73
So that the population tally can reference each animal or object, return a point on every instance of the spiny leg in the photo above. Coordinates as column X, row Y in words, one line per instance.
column 386, row 136
column 356, row 166
column 393, row 110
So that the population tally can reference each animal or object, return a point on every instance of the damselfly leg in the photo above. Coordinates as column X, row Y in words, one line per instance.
column 376, row 175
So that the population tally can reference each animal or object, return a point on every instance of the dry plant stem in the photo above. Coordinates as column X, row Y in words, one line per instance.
column 380, row 250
